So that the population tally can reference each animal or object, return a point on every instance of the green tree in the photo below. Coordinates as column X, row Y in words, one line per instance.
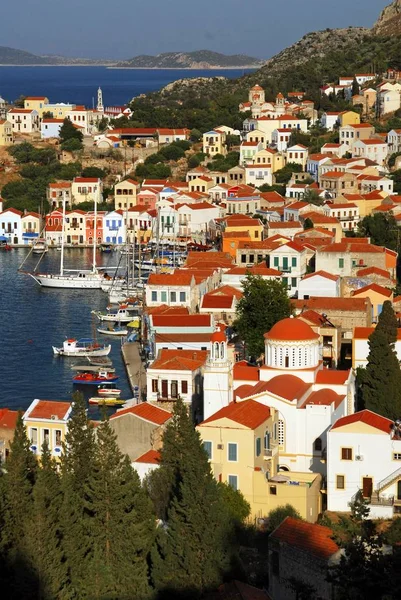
column 17, row 511
column 284, row 175
column 72, row 145
column 68, row 131
column 308, row 224
column 232, row 140
column 263, row 304
column 195, row 135
column 194, row 549
column 238, row 508
column 193, row 161
column 103, row 124
column 77, row 462
column 44, row 535
column 93, row 172
column 277, row 515
column 380, row 382
column 387, row 322
column 121, row 525
column 312, row 196
column 381, row 228
column 355, row 88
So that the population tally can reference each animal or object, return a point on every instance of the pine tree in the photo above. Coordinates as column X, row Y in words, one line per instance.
column 388, row 322
column 120, row 523
column 355, row 88
column 44, row 536
column 194, row 549
column 381, row 380
column 17, row 511
column 77, row 462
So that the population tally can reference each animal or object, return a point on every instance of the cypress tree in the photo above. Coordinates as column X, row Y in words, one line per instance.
column 388, row 322
column 44, row 532
column 193, row 551
column 77, row 462
column 17, row 511
column 121, row 525
column 381, row 380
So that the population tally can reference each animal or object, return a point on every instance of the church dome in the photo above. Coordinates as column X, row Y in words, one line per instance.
column 291, row 330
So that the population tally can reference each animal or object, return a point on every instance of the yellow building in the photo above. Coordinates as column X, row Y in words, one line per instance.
column 377, row 295
column 241, row 441
column 366, row 203
column 243, row 223
column 349, row 117
column 125, row 194
column 6, row 133
column 46, row 421
column 201, row 184
column 31, row 227
column 269, row 157
column 214, row 142
column 38, row 103
column 75, row 227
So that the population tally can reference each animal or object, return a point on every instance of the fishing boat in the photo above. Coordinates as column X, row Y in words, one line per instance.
column 40, row 247
column 113, row 330
column 106, row 401
column 82, row 347
column 95, row 378
column 109, row 390
column 99, row 361
column 119, row 315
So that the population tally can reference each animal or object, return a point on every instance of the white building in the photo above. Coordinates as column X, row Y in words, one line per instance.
column 364, row 453
column 50, row 128
column 281, row 138
column 297, row 154
column 248, row 151
column 171, row 289
column 394, row 140
column 374, row 149
column 388, row 101
column 346, row 212
column 114, row 230
column 319, row 283
column 194, row 220
column 24, row 120
column 290, row 259
column 217, row 382
column 258, row 175
column 11, row 225
column 360, row 346
column 329, row 120
column 31, row 227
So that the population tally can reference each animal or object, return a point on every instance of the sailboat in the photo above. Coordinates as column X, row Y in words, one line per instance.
column 68, row 278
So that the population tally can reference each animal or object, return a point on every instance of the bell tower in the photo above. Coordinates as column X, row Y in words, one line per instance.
column 217, row 378
column 100, row 106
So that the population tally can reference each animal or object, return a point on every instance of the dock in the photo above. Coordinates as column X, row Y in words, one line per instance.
column 134, row 366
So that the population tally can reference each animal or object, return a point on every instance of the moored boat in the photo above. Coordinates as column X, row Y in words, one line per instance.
column 95, row 378
column 40, row 247
column 82, row 347
column 109, row 390
column 106, row 401
column 116, row 330
column 119, row 315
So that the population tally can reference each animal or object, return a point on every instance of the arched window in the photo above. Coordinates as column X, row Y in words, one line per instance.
column 216, row 350
column 222, row 350
column 318, row 444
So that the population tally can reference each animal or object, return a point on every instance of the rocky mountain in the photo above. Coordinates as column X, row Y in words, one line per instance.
column 389, row 22
column 200, row 59
column 12, row 56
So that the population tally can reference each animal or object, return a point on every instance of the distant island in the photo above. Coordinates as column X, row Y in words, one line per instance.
column 200, row 59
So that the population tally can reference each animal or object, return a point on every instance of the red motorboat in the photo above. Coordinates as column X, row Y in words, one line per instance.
column 90, row 378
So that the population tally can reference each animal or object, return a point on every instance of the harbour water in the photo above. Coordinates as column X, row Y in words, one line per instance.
column 79, row 85
column 33, row 319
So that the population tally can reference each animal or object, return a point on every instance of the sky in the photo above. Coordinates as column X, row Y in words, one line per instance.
column 126, row 28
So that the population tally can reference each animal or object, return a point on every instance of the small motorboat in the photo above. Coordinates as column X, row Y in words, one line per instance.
column 119, row 315
column 40, row 247
column 106, row 401
column 107, row 248
column 116, row 330
column 108, row 391
column 82, row 347
column 95, row 378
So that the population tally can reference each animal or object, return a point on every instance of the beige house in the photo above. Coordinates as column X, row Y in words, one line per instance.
column 38, row 103
column 125, row 194
column 24, row 120
column 214, row 142
column 6, row 133
column 242, row 443
column 201, row 184
column 87, row 189
column 350, row 133
column 75, row 227
column 337, row 183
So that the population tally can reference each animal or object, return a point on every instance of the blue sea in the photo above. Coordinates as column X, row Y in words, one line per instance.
column 33, row 319
column 78, row 85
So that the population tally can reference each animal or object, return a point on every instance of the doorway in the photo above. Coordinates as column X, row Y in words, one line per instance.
column 367, row 487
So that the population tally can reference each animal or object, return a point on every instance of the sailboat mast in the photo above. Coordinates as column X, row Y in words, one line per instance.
column 62, row 239
column 94, row 239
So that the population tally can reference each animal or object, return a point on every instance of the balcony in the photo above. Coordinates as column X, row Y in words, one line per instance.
column 346, row 218
column 284, row 269
column 269, row 453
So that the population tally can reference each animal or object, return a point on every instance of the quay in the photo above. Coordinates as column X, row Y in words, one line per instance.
column 134, row 366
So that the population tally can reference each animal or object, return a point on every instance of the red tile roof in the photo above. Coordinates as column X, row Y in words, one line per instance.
column 165, row 310
column 285, row 225
column 324, row 397
column 243, row 371
column 373, row 271
column 186, row 338
column 375, row 288
column 145, row 411
column 307, row 537
column 182, row 278
column 151, row 457
column 329, row 376
column 249, row 413
column 179, row 360
column 226, row 290
column 213, row 301
column 182, row 321
column 363, row 333
column 368, row 417
column 291, row 329
column 45, row 409
column 86, row 179
column 8, row 418
column 322, row 274
column 327, row 304
column 289, row 387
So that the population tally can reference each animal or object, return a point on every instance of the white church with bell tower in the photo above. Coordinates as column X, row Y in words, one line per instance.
column 217, row 377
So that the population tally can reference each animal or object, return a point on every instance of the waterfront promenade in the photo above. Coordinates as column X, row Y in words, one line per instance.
column 134, row 366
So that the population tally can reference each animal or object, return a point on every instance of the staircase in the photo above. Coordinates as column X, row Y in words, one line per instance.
column 387, row 480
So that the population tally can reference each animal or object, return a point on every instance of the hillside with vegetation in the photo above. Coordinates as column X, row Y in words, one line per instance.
column 389, row 22
column 200, row 59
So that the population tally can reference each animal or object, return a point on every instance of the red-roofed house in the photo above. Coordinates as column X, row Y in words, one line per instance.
column 146, row 463
column 139, row 428
column 8, row 421
column 319, row 283
column 11, row 225
column 24, row 120
column 346, row 258
column 303, row 552
column 364, row 453
column 377, row 294
column 177, row 373
column 346, row 212
column 172, row 289
column 47, row 421
column 290, row 259
column 221, row 306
